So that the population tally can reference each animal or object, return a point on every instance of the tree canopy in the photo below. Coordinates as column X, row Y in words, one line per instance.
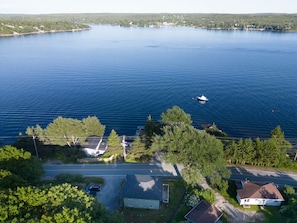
column 20, row 201
column 270, row 152
column 289, row 209
column 68, row 131
column 176, row 115
column 18, row 167
column 197, row 151
column 114, row 144
column 61, row 204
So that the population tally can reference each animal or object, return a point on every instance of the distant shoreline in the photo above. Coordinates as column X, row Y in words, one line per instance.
column 83, row 29
column 43, row 32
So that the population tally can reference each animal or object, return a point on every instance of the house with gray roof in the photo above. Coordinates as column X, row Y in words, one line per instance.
column 142, row 191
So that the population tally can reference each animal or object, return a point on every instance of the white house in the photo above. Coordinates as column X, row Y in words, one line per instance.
column 259, row 193
column 95, row 146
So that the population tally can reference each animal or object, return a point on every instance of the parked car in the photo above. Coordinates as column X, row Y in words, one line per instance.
column 93, row 187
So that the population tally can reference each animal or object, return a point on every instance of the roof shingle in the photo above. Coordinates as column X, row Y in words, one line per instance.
column 259, row 190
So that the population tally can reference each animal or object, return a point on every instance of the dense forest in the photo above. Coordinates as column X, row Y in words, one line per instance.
column 11, row 24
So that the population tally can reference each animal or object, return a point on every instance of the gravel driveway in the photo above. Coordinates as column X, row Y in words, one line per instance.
column 110, row 192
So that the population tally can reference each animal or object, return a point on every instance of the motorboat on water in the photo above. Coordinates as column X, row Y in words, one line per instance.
column 202, row 98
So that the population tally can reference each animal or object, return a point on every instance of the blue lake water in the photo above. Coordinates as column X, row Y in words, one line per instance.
column 122, row 75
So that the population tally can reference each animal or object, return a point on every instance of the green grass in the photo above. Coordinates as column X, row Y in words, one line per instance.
column 180, row 215
column 273, row 216
column 94, row 180
column 230, row 194
column 167, row 212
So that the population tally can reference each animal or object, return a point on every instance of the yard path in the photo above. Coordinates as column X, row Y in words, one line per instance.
column 234, row 214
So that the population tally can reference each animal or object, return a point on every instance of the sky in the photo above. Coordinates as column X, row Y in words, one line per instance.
column 147, row 6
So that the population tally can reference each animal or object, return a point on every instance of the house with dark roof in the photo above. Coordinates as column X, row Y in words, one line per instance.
column 142, row 191
column 204, row 212
column 259, row 193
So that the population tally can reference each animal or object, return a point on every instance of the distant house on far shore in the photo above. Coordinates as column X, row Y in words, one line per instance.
column 259, row 193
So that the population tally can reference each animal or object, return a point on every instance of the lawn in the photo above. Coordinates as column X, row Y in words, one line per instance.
column 167, row 213
column 273, row 216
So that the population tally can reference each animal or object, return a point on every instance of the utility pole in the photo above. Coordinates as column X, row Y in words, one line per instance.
column 124, row 144
column 34, row 142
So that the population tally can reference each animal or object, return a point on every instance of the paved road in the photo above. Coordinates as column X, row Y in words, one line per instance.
column 279, row 178
column 121, row 169
column 162, row 169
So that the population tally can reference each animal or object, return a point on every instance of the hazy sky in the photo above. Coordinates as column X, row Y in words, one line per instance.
column 147, row 6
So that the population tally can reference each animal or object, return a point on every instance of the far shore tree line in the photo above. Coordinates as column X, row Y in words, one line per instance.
column 24, row 26
column 12, row 24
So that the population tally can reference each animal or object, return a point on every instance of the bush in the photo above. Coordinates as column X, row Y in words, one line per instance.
column 69, row 178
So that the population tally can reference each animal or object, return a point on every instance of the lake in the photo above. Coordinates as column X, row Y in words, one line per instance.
column 122, row 75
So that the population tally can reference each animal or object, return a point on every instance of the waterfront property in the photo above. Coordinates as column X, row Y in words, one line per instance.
column 96, row 146
column 258, row 193
column 142, row 191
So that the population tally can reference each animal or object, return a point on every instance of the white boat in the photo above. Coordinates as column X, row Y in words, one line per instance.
column 202, row 98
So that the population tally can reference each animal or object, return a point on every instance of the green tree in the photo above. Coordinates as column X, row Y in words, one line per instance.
column 248, row 151
column 277, row 133
column 290, row 207
column 93, row 127
column 183, row 144
column 176, row 115
column 60, row 204
column 18, row 167
column 231, row 151
column 114, row 143
column 277, row 136
column 137, row 151
column 36, row 131
column 67, row 131
column 151, row 128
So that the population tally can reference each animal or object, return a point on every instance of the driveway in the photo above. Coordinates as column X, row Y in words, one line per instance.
column 110, row 192
column 235, row 215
